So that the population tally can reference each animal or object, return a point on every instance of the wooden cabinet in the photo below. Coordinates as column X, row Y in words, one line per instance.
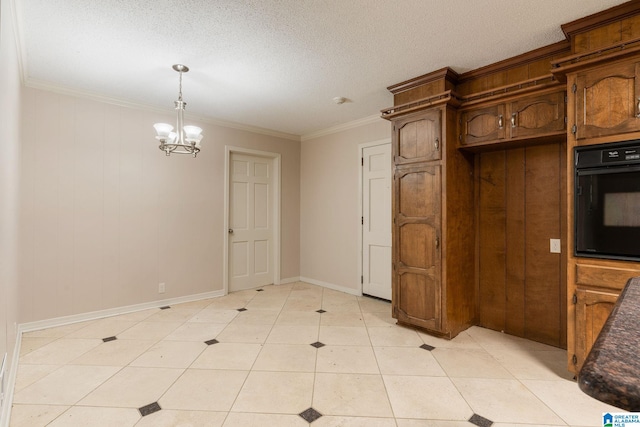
column 537, row 116
column 534, row 116
column 433, row 265
column 592, row 310
column 417, row 278
column 607, row 100
column 485, row 124
column 594, row 286
column 418, row 139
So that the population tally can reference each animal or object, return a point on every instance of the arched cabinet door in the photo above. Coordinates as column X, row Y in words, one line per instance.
column 607, row 100
column 418, row 138
column 417, row 245
column 487, row 124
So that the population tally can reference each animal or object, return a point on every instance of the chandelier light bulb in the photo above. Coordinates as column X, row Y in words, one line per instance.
column 163, row 129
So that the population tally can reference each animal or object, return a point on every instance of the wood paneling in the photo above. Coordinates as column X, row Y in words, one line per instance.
column 520, row 281
column 515, row 245
column 543, row 304
column 492, row 239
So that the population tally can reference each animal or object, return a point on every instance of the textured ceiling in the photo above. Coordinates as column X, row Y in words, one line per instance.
column 275, row 64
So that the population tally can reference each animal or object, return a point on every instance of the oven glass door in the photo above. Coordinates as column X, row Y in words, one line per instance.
column 607, row 213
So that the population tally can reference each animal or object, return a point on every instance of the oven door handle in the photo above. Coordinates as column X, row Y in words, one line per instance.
column 609, row 170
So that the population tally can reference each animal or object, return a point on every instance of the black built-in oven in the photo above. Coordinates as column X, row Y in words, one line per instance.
column 607, row 201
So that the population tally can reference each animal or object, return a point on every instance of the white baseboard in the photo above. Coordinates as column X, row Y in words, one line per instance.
column 290, row 280
column 346, row 290
column 5, row 411
column 93, row 315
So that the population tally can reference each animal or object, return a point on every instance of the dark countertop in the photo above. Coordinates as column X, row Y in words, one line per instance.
column 611, row 372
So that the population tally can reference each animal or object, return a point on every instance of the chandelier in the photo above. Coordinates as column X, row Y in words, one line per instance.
column 185, row 139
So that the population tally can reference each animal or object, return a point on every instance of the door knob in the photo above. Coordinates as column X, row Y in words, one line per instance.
column 231, row 231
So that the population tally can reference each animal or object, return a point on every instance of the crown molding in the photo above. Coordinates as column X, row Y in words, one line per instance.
column 63, row 90
column 342, row 127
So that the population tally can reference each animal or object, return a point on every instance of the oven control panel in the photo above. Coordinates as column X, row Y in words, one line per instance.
column 621, row 154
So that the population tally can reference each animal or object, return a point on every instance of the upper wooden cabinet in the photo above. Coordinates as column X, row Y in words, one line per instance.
column 418, row 138
column 607, row 100
column 531, row 117
column 483, row 125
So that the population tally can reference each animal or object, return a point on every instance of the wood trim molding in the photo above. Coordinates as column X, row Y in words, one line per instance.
column 447, row 73
column 560, row 48
column 600, row 19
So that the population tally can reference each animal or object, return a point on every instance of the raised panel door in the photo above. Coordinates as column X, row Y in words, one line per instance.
column 538, row 116
column 417, row 138
column 416, row 234
column 592, row 311
column 483, row 125
column 607, row 101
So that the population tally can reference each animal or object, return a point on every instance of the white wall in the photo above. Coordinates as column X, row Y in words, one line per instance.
column 9, row 181
column 329, row 205
column 106, row 216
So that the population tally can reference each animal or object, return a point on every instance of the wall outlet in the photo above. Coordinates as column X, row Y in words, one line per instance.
column 161, row 288
column 554, row 246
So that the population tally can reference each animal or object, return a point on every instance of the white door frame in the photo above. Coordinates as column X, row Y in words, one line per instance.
column 275, row 160
column 361, row 148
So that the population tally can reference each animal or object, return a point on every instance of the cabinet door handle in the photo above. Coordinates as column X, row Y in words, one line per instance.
column 638, row 113
column 437, row 144
column 513, row 120
column 500, row 122
column 437, row 242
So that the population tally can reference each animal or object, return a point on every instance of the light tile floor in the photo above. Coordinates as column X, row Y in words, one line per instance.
column 207, row 363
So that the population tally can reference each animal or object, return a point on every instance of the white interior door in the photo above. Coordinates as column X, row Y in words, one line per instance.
column 250, row 222
column 376, row 221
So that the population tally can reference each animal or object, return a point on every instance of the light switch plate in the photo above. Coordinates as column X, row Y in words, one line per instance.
column 554, row 246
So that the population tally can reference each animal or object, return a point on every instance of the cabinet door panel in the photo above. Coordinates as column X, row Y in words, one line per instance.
column 483, row 125
column 607, row 101
column 592, row 310
column 418, row 139
column 416, row 245
column 418, row 300
column 538, row 116
column 416, row 191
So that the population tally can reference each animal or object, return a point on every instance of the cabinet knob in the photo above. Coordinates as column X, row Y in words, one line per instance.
column 513, row 120
column 500, row 122
column 437, row 144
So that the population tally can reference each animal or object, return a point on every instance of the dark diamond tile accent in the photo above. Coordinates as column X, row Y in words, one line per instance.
column 166, row 307
column 427, row 347
column 321, row 311
column 259, row 290
column 480, row 421
column 310, row 415
column 213, row 341
column 317, row 344
column 242, row 309
column 107, row 339
column 149, row 409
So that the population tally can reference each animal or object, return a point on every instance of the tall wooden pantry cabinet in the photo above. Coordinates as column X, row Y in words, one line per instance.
column 433, row 232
